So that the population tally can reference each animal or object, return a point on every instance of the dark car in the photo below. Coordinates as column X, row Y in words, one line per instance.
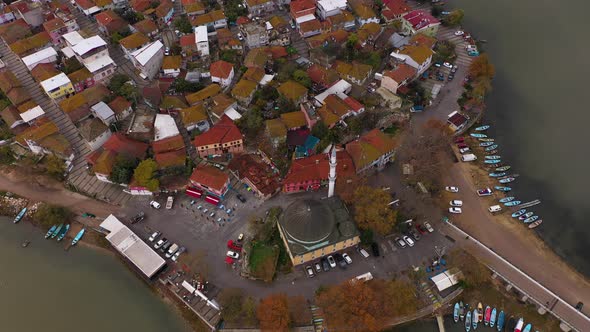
column 166, row 246
column 241, row 198
column 579, row 306
column 415, row 235
column 138, row 217
column 420, row 229
column 340, row 260
column 325, row 264
column 375, row 249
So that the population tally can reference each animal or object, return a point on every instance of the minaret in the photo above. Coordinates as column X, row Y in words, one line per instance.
column 332, row 177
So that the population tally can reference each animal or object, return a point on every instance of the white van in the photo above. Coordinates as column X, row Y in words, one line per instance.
column 468, row 157
column 495, row 208
column 172, row 250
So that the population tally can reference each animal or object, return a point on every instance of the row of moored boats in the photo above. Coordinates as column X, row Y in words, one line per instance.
column 56, row 231
column 489, row 316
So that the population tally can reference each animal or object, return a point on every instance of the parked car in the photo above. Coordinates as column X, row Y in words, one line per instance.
column 172, row 250
column 399, row 242
column 318, row 267
column 375, row 249
column 450, row 77
column 340, row 260
column 420, row 229
column 241, row 198
column 579, row 306
column 166, row 246
column 456, row 203
column 169, row 202
column 154, row 236
column 331, row 261
column 233, row 254
column 241, row 237
column 484, row 192
column 455, row 68
column 309, row 272
column 495, row 208
column 462, row 145
column 167, row 51
column 178, row 253
column 455, row 210
column 363, row 252
column 138, row 217
column 160, row 243
column 415, row 235
column 464, row 150
column 409, row 241
column 459, row 33
column 155, row 205
column 240, row 37
column 452, row 189
column 219, row 166
column 448, row 65
column 212, row 214
column 416, row 109
column 459, row 139
column 325, row 264
column 347, row 258
column 428, row 227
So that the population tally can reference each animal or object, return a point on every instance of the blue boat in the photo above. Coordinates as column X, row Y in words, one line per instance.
column 503, row 188
column 512, row 203
column 507, row 180
column 500, row 326
column 477, row 135
column 468, row 321
column 518, row 213
column 526, row 215
column 493, row 147
column 486, row 143
column 507, row 199
column 57, row 230
column 531, row 219
column 456, row 312
column 528, row 328
column 475, row 319
column 494, row 161
column 63, row 233
column 497, row 175
column 462, row 309
column 78, row 236
column 493, row 318
column 482, row 128
column 50, row 231
column 502, row 169
column 20, row 215
column 492, row 157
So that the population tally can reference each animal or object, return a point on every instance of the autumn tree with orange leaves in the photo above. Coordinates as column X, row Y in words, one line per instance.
column 481, row 71
column 273, row 313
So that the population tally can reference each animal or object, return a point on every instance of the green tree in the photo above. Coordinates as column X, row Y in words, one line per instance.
column 55, row 166
column 117, row 82
column 183, row 24
column 454, row 18
column 251, row 123
column 229, row 56
column 371, row 210
column 71, row 65
column 6, row 155
column 145, row 174
column 301, row 77
column 354, row 125
column 231, row 300
column 48, row 215
column 128, row 91
column 184, row 86
column 123, row 169
column 320, row 130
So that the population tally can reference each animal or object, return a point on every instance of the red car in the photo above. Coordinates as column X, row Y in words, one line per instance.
column 234, row 246
column 462, row 145
column 459, row 139
column 420, row 229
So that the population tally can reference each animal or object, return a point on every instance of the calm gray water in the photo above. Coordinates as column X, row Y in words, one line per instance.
column 539, row 108
column 44, row 288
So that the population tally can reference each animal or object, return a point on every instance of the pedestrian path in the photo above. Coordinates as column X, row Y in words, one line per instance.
column 317, row 318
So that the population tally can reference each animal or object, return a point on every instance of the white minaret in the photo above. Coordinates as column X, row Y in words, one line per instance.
column 332, row 177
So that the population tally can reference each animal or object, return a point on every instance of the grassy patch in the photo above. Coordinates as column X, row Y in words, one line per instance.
column 263, row 259
column 391, row 130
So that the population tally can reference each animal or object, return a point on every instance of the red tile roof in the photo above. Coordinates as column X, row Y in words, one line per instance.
column 321, row 75
column 172, row 143
column 223, row 131
column 317, row 168
column 370, row 147
column 85, row 4
column 119, row 104
column 123, row 145
column 210, row 177
column 172, row 158
column 354, row 104
column 257, row 172
column 221, row 69
column 242, row 20
column 301, row 5
column 401, row 73
column 419, row 19
column 188, row 40
column 396, row 7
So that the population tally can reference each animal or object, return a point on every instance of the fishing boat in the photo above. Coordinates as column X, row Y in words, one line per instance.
column 474, row 319
column 492, row 157
column 526, row 215
column 531, row 219
column 502, row 169
column 492, row 147
column 50, row 231
column 503, row 188
column 486, row 143
column 480, row 312
column 500, row 326
column 518, row 213
column 493, row 318
column 461, row 311
column 528, row 328
column 507, row 199
column 497, row 175
column 519, row 325
column 482, row 128
column 513, row 203
column 488, row 314
column 468, row 321
column 456, row 312
column 63, row 233
column 57, row 230
column 536, row 223
column 78, row 236
column 26, row 243
column 507, row 180
column 486, row 139
column 491, row 152
column 511, row 324
column 20, row 215
column 493, row 161
column 477, row 135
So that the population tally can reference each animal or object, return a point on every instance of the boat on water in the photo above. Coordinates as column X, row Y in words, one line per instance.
column 57, row 230
column 468, row 321
column 486, row 143
column 526, row 215
column 492, row 157
column 461, row 311
column 502, row 169
column 500, row 326
column 518, row 213
column 474, row 319
column 488, row 314
column 63, row 233
column 519, row 325
column 50, row 231
column 486, row 139
column 507, row 199
column 531, row 219
column 493, row 318
column 20, row 215
column 497, row 175
column 536, row 223
column 528, row 327
column 492, row 161
column 491, row 152
column 513, row 203
column 500, row 188
column 26, row 243
column 507, row 180
column 478, row 135
column 456, row 312
column 482, row 128
column 78, row 236
column 492, row 147
column 511, row 324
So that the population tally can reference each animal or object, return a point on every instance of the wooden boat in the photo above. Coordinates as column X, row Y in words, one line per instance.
column 493, row 318
column 492, row 157
column 482, row 128
column 468, row 321
column 456, row 312
column 486, row 139
column 477, row 135
column 63, row 233
column 518, row 213
column 57, row 230
column 78, row 236
column 50, row 231
column 491, row 152
column 511, row 324
column 500, row 188
column 528, row 328
column 536, row 223
column 502, row 169
column 480, row 311
column 492, row 147
column 507, row 199
column 497, row 175
column 507, row 180
column 20, row 215
column 461, row 311
column 500, row 326
column 474, row 319
column 531, row 219
column 486, row 143
column 488, row 314
column 526, row 215
column 519, row 325
column 513, row 203
column 493, row 161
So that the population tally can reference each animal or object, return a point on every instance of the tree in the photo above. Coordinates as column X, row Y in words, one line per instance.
column 371, row 210
column 123, row 169
column 48, row 215
column 55, row 166
column 299, row 311
column 454, row 18
column 354, row 124
column 6, row 155
column 117, row 82
column 251, row 122
column 402, row 296
column 229, row 56
column 231, row 300
column 145, row 174
column 301, row 77
column 482, row 67
column 320, row 130
column 474, row 272
column 196, row 262
column 183, row 86
column 71, row 65
column 128, row 91
column 183, row 24
column 273, row 313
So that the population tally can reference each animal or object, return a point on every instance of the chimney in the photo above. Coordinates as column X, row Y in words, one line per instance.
column 317, row 161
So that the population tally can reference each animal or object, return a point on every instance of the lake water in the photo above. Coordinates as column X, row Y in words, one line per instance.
column 44, row 288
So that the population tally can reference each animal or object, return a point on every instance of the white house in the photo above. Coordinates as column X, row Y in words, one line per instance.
column 30, row 115
column 327, row 8
column 103, row 112
column 222, row 72
column 91, row 52
column 94, row 132
column 148, row 59
column 46, row 55
column 202, row 40
column 419, row 57
column 341, row 88
column 165, row 127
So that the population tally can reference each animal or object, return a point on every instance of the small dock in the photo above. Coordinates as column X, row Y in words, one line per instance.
column 441, row 323
column 529, row 204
